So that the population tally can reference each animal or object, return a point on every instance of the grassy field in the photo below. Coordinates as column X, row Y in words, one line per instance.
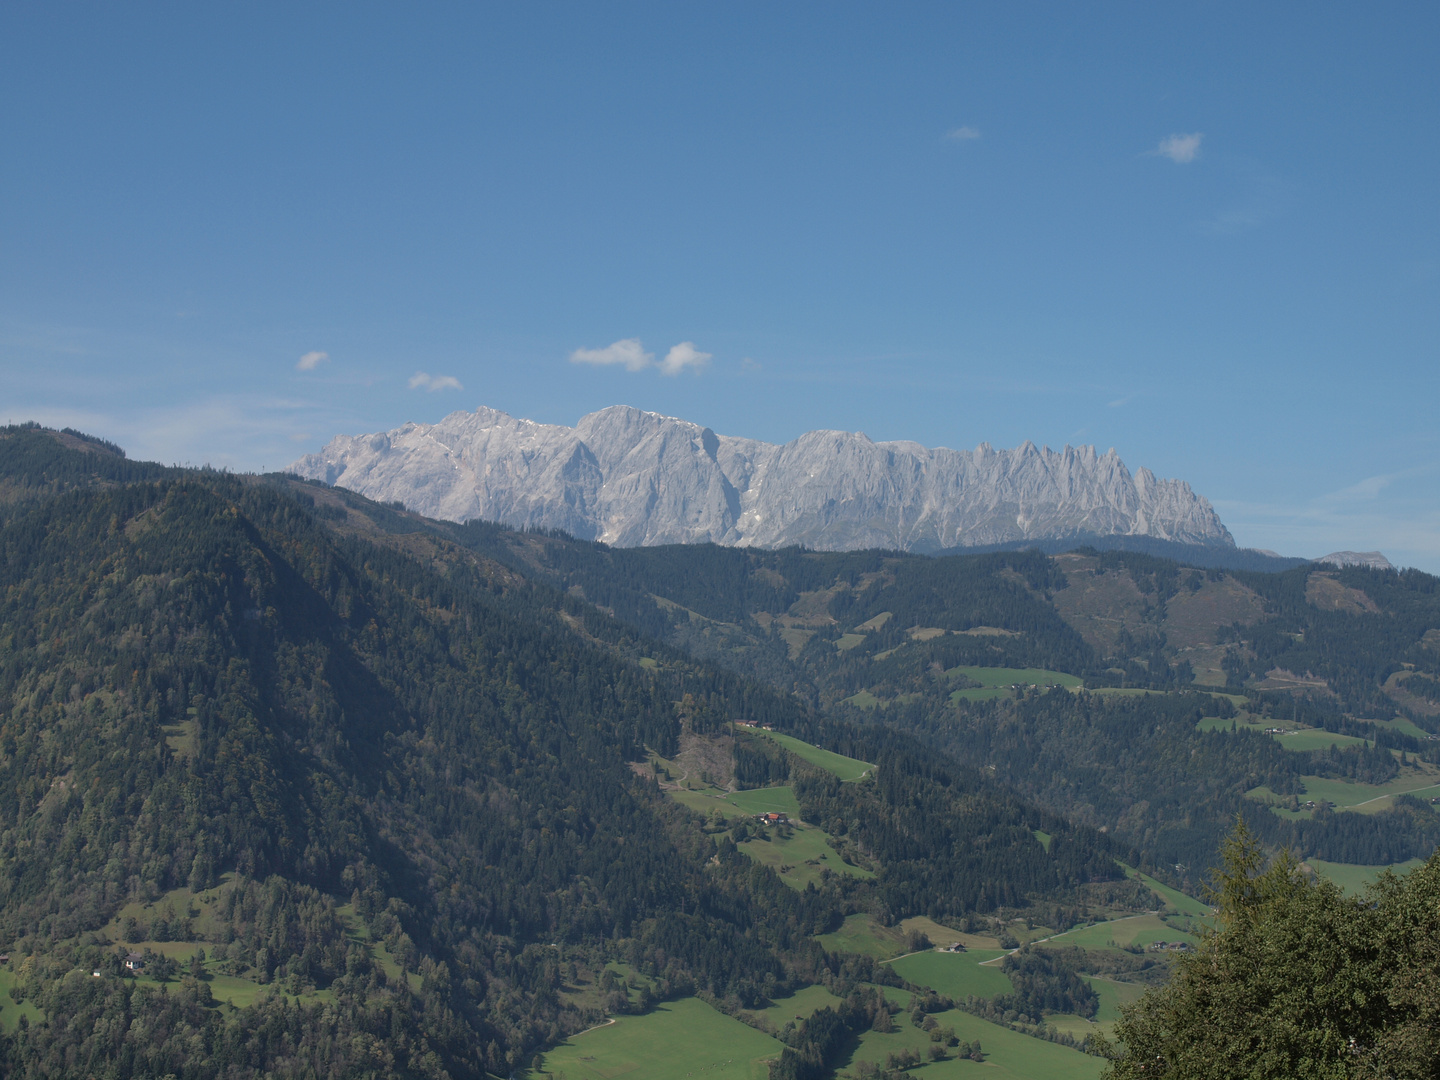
column 862, row 934
column 765, row 801
column 800, row 858
column 997, row 681
column 10, row 1011
column 683, row 1038
column 847, row 642
column 1173, row 898
column 1356, row 796
column 981, row 693
column 844, row 767
column 800, row 1004
column 1423, row 783
column 1009, row 1055
column 1125, row 691
column 780, row 800
column 1004, row 676
column 1316, row 739
column 1133, row 930
column 795, row 638
column 1113, row 995
column 1352, row 879
column 875, row 623
column 956, row 974
column 1404, row 726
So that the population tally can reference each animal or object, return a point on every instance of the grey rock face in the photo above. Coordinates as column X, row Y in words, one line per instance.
column 633, row 478
column 1372, row 559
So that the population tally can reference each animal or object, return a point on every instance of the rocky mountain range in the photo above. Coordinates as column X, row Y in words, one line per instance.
column 632, row 478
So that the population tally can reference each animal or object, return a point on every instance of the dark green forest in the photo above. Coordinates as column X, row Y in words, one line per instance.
column 209, row 685
column 1135, row 766
column 395, row 773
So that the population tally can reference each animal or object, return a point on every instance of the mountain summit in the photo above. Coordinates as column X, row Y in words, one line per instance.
column 632, row 478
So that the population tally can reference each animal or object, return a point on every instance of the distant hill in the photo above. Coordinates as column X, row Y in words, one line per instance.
column 1205, row 556
column 632, row 478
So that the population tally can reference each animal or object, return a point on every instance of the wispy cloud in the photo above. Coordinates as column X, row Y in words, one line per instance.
column 683, row 356
column 1181, row 149
column 749, row 364
column 963, row 134
column 421, row 381
column 1119, row 402
column 630, row 354
column 311, row 360
column 627, row 352
column 1393, row 512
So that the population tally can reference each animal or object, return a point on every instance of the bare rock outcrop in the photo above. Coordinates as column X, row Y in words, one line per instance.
column 631, row 478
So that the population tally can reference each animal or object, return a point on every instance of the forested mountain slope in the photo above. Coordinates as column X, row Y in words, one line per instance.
column 1327, row 676
column 395, row 792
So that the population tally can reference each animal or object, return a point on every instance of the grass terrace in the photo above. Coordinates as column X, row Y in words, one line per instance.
column 684, row 1038
column 999, row 681
column 845, row 768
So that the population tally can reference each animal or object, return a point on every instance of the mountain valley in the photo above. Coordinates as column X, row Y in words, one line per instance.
column 364, row 792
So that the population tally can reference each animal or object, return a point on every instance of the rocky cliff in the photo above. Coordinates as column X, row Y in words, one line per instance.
column 629, row 478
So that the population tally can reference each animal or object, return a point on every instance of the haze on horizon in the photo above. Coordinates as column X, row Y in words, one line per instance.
column 1206, row 238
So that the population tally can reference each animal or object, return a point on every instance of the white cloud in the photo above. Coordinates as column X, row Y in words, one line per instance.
column 420, row 380
column 1181, row 149
column 683, row 356
column 962, row 134
column 311, row 360
column 1119, row 403
column 749, row 364
column 630, row 354
column 627, row 351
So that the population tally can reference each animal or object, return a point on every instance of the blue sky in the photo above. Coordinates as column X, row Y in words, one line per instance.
column 1205, row 235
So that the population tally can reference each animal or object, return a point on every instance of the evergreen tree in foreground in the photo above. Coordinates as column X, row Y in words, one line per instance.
column 1297, row 981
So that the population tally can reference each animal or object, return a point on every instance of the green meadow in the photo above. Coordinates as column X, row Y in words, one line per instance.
column 799, row 1006
column 732, row 804
column 1174, row 898
column 1009, row 1055
column 1316, row 739
column 997, row 681
column 1113, row 995
column 10, row 1009
column 845, row 768
column 1353, row 879
column 800, row 858
column 1118, row 933
column 863, row 934
column 1350, row 795
column 1126, row 691
column 678, row 1039
column 1404, row 726
column 956, row 975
